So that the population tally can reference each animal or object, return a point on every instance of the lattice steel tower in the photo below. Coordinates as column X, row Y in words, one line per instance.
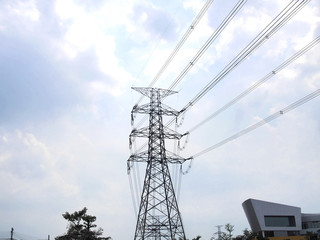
column 158, row 217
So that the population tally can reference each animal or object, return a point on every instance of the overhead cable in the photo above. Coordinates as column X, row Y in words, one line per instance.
column 207, row 44
column 260, row 82
column 282, row 18
column 133, row 195
column 179, row 45
column 262, row 122
column 204, row 48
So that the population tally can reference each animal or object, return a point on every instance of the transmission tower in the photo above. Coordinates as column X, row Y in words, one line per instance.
column 158, row 217
column 219, row 232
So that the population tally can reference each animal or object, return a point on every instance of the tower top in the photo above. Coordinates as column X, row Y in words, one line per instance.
column 147, row 91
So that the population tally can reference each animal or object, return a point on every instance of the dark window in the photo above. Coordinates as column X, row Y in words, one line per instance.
column 269, row 233
column 293, row 233
column 311, row 224
column 279, row 221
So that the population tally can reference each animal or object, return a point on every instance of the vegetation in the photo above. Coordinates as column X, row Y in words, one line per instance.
column 196, row 238
column 248, row 235
column 81, row 227
column 228, row 234
column 313, row 236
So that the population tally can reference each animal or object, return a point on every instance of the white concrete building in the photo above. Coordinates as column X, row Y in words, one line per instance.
column 279, row 220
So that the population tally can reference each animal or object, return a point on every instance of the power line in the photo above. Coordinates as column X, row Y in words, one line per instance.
column 276, row 23
column 282, row 18
column 133, row 195
column 179, row 45
column 262, row 122
column 203, row 49
column 260, row 82
column 208, row 43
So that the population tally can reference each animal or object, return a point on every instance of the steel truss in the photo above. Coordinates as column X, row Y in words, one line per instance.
column 158, row 217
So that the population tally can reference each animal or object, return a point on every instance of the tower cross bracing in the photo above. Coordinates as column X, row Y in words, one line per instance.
column 158, row 216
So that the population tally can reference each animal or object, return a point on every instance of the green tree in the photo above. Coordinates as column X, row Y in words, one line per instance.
column 81, row 227
column 313, row 236
column 196, row 238
column 228, row 234
column 247, row 235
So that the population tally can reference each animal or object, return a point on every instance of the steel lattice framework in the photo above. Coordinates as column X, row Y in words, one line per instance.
column 158, row 216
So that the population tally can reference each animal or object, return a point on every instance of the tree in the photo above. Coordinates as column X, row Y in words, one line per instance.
column 228, row 234
column 247, row 235
column 313, row 235
column 196, row 238
column 81, row 227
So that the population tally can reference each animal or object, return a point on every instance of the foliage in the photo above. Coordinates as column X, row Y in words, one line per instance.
column 313, row 236
column 196, row 238
column 228, row 234
column 247, row 235
column 81, row 227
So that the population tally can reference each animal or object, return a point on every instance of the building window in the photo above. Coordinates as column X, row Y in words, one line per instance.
column 293, row 233
column 269, row 234
column 312, row 224
column 279, row 221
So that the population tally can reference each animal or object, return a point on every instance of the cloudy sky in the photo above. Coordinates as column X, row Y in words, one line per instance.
column 66, row 72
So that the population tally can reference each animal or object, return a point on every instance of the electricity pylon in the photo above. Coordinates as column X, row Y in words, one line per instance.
column 158, row 217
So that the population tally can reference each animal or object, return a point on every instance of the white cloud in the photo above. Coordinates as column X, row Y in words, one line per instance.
column 277, row 49
column 33, row 161
column 310, row 17
column 4, row 139
column 90, row 31
column 194, row 5
column 25, row 9
column 101, row 87
column 289, row 73
column 77, row 156
column 314, row 82
column 248, row 22
column 253, row 19
column 4, row 157
column 21, row 13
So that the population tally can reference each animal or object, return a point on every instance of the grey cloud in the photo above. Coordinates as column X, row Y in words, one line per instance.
column 32, row 83
column 36, row 83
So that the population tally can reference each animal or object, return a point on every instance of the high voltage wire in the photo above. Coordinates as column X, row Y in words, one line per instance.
column 281, row 19
column 133, row 197
column 208, row 43
column 284, row 16
column 261, row 81
column 175, row 51
column 262, row 122
column 204, row 48
column 179, row 45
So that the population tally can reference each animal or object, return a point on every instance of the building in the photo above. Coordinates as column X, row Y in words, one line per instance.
column 279, row 220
